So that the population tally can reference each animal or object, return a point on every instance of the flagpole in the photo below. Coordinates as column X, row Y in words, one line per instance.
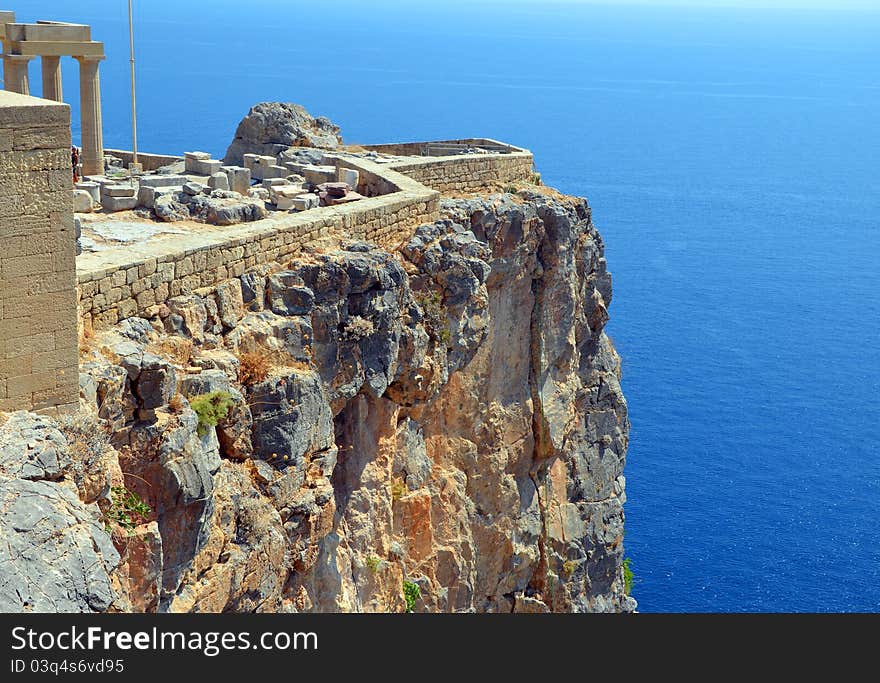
column 134, row 135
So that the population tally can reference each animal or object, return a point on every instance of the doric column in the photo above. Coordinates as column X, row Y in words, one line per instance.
column 52, row 79
column 92, row 157
column 15, row 72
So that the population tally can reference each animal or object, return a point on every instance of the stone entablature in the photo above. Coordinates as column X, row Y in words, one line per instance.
column 50, row 41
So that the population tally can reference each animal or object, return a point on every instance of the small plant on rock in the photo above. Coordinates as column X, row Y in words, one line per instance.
column 398, row 488
column 254, row 366
column 569, row 567
column 411, row 593
column 177, row 404
column 628, row 576
column 358, row 328
column 373, row 563
column 436, row 318
column 211, row 409
column 127, row 509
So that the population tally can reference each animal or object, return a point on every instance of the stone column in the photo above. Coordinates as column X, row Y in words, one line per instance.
column 15, row 72
column 52, row 79
column 92, row 157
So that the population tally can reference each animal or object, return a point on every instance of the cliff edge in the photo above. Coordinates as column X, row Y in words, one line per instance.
column 436, row 427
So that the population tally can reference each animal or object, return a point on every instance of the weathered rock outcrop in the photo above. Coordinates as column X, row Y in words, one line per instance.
column 273, row 127
column 56, row 555
column 448, row 415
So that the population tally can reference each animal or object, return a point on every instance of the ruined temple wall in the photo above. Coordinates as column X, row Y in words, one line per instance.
column 38, row 323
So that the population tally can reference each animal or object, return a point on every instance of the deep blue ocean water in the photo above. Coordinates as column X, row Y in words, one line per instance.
column 732, row 159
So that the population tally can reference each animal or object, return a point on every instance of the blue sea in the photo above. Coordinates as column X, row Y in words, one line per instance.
column 732, row 159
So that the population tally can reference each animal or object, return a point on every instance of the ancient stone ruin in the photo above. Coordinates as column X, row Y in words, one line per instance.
column 50, row 41
column 285, row 182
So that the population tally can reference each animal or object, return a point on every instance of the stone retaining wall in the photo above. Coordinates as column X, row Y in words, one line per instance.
column 461, row 172
column 120, row 283
column 38, row 322
column 149, row 162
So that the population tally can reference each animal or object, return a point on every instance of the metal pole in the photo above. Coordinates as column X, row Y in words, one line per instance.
column 134, row 134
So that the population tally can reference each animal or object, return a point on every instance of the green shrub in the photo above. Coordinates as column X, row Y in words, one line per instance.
column 436, row 317
column 211, row 409
column 398, row 488
column 569, row 567
column 411, row 593
column 127, row 509
column 373, row 563
column 511, row 189
column 628, row 577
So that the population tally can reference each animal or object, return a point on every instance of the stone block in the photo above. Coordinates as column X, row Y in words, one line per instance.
column 118, row 191
column 239, row 179
column 42, row 137
column 348, row 176
column 94, row 189
column 319, row 174
column 208, row 168
column 119, row 203
column 350, row 197
column 275, row 172
column 271, row 182
column 335, row 190
column 304, row 202
column 193, row 188
column 147, row 196
column 190, row 159
column 82, row 201
column 162, row 180
column 259, row 166
column 219, row 181
column 286, row 191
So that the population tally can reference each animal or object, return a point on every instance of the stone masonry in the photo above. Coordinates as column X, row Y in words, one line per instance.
column 38, row 317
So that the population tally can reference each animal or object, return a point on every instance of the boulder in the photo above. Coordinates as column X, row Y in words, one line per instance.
column 272, row 127
column 193, row 189
column 230, row 303
column 291, row 417
column 31, row 447
column 239, row 179
column 288, row 296
column 82, row 201
column 56, row 555
column 219, row 181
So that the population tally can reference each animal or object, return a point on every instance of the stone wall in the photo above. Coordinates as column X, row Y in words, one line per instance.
column 440, row 148
column 469, row 172
column 38, row 325
column 120, row 283
column 461, row 173
column 149, row 162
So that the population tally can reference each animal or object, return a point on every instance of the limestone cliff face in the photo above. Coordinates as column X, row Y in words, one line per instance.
column 447, row 414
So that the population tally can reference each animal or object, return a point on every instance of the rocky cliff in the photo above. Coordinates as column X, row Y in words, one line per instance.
column 439, row 427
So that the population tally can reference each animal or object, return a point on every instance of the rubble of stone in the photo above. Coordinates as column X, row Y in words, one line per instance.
column 203, row 189
column 271, row 128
